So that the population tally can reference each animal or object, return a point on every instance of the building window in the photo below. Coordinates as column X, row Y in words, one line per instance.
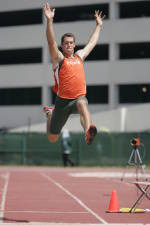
column 134, row 50
column 134, row 9
column 100, row 52
column 97, row 94
column 21, row 56
column 134, row 93
column 20, row 96
column 21, row 17
column 79, row 12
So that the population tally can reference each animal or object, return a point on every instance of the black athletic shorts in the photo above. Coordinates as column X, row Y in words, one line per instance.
column 63, row 109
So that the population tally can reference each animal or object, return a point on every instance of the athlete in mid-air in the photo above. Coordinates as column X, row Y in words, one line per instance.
column 71, row 85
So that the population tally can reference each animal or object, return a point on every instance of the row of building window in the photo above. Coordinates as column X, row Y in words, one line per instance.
column 101, row 52
column 21, row 17
column 20, row 96
column 74, row 13
column 21, row 56
column 96, row 94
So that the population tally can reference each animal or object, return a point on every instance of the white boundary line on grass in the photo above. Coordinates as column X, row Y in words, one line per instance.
column 3, row 194
column 75, row 198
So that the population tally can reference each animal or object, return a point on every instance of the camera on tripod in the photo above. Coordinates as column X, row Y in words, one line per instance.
column 135, row 158
column 135, row 142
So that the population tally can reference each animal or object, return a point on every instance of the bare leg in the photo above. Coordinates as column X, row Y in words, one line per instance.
column 85, row 117
column 51, row 137
column 49, row 115
column 86, row 121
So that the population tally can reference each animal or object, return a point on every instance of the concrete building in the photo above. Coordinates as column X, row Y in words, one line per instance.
column 117, row 72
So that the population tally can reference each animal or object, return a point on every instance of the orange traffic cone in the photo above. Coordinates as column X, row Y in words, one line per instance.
column 113, row 205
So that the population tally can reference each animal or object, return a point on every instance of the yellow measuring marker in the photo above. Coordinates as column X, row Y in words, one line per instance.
column 128, row 210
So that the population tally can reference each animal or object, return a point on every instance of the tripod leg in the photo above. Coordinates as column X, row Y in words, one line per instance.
column 139, row 157
column 141, row 164
column 137, row 169
column 123, row 175
column 131, row 156
column 129, row 162
column 136, row 164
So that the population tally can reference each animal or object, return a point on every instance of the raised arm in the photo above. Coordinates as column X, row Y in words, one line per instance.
column 83, row 53
column 55, row 54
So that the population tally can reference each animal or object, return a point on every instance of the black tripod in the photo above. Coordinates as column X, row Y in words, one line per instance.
column 135, row 160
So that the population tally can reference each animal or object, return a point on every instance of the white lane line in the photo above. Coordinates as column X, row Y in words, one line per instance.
column 105, row 174
column 75, row 198
column 49, row 212
column 45, row 223
column 3, row 193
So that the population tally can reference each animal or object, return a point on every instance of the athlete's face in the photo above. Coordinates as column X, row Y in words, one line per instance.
column 68, row 45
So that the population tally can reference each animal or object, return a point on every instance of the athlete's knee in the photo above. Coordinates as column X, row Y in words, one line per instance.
column 53, row 137
column 81, row 103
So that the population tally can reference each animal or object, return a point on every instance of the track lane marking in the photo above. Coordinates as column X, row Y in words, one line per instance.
column 3, row 193
column 45, row 223
column 75, row 198
column 105, row 174
column 44, row 212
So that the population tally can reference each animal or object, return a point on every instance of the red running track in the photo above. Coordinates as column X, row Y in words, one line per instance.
column 53, row 195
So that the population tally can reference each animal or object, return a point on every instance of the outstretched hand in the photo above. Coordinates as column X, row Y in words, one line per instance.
column 99, row 17
column 49, row 13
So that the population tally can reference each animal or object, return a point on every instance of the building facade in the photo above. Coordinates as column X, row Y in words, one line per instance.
column 117, row 71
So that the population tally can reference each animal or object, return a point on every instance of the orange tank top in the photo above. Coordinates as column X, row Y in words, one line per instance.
column 71, row 78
